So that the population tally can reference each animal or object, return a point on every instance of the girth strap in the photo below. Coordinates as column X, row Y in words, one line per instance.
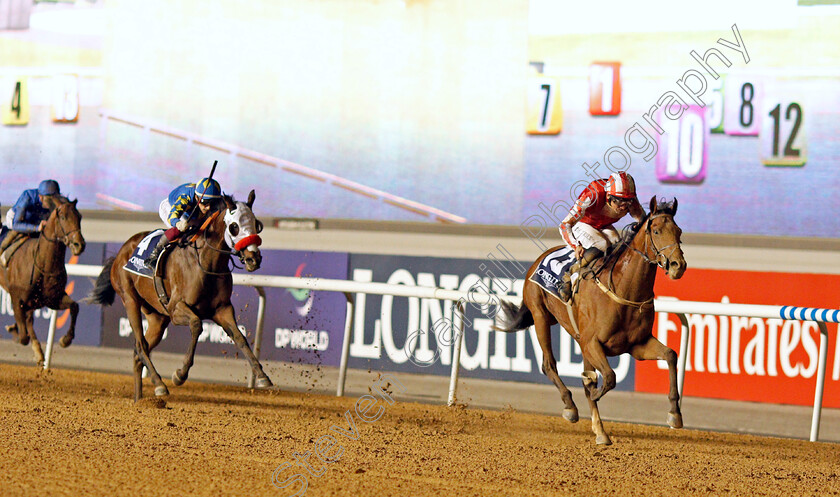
column 620, row 300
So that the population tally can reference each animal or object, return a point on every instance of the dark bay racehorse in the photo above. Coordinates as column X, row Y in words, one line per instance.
column 198, row 282
column 36, row 277
column 612, row 313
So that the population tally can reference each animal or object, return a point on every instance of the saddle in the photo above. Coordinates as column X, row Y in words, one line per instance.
column 13, row 247
column 136, row 265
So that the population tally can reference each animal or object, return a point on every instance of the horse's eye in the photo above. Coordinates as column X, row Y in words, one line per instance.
column 259, row 226
column 234, row 229
column 655, row 232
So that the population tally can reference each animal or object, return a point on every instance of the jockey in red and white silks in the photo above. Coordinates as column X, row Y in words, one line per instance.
column 589, row 223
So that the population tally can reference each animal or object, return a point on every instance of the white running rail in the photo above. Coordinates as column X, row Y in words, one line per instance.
column 678, row 307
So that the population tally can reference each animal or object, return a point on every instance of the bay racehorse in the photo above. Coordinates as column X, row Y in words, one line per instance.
column 36, row 277
column 198, row 282
column 611, row 314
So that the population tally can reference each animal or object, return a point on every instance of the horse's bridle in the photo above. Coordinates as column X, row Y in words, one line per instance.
column 64, row 238
column 65, row 235
column 217, row 249
column 659, row 257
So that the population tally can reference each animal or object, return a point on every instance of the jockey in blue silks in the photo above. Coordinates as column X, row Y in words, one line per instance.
column 30, row 212
column 175, row 211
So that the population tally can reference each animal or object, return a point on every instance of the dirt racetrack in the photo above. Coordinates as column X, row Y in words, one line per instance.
column 75, row 433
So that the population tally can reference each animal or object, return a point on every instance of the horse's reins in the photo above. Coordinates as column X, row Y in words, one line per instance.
column 64, row 238
column 203, row 229
column 657, row 253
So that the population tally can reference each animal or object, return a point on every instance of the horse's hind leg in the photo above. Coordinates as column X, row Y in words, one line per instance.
column 224, row 317
column 138, row 376
column 549, row 365
column 183, row 314
column 141, row 347
column 590, row 381
column 68, row 303
column 654, row 349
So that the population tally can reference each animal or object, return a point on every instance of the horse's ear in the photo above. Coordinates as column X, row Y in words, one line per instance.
column 653, row 204
column 674, row 207
column 251, row 197
column 75, row 200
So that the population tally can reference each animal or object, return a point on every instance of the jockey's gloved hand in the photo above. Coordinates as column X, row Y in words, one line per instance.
column 182, row 225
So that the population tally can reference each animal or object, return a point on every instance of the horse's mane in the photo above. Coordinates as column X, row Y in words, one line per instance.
column 629, row 232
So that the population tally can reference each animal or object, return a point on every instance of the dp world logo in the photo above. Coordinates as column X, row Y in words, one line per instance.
column 301, row 294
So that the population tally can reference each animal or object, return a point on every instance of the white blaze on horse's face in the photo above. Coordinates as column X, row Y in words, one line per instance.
column 241, row 229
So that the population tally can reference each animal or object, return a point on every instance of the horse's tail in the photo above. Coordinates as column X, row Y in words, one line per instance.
column 514, row 318
column 103, row 293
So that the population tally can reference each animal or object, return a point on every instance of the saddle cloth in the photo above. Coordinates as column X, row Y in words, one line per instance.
column 144, row 248
column 549, row 273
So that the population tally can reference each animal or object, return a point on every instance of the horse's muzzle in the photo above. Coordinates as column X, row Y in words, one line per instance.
column 252, row 259
column 77, row 245
column 676, row 268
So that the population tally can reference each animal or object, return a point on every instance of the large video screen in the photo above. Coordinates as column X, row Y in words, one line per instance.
column 483, row 112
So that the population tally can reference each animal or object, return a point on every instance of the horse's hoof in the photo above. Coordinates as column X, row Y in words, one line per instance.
column 675, row 420
column 65, row 341
column 176, row 379
column 263, row 382
column 23, row 339
column 161, row 390
column 571, row 415
column 12, row 329
column 603, row 440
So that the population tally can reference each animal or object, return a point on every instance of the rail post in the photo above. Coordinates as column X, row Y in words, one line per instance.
column 50, row 338
column 345, row 346
column 258, row 338
column 456, row 353
column 818, row 390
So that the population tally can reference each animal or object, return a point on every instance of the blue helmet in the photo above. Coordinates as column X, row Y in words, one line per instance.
column 208, row 189
column 48, row 187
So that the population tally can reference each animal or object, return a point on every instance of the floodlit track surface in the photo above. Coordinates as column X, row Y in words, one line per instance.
column 79, row 433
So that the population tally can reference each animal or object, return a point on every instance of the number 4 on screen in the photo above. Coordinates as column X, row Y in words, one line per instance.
column 15, row 100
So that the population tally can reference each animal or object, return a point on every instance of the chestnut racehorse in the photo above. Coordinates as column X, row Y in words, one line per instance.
column 198, row 282
column 35, row 276
column 611, row 314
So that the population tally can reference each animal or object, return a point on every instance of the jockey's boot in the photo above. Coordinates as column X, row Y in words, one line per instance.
column 589, row 255
column 151, row 260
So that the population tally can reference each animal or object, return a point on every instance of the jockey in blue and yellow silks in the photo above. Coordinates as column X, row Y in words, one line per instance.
column 31, row 210
column 175, row 210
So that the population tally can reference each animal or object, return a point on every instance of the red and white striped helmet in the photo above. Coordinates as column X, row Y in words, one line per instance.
column 621, row 185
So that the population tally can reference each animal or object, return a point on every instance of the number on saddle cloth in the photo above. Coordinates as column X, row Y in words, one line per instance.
column 549, row 274
column 136, row 263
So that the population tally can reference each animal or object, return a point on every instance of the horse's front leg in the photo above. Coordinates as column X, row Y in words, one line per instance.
column 182, row 314
column 30, row 331
column 594, row 353
column 590, row 381
column 654, row 349
column 224, row 317
column 68, row 303
column 18, row 329
column 595, row 358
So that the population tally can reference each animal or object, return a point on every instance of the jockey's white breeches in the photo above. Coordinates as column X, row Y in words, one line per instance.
column 10, row 218
column 587, row 236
